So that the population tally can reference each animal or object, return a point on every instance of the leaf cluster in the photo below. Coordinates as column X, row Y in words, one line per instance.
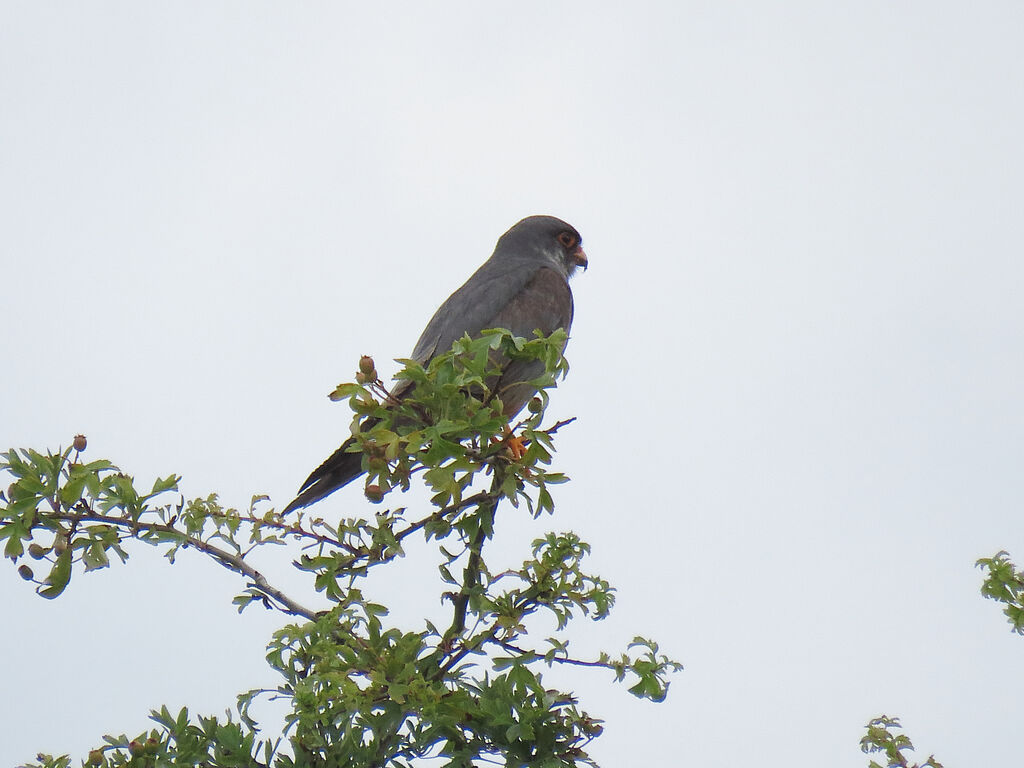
column 446, row 420
column 882, row 737
column 1005, row 584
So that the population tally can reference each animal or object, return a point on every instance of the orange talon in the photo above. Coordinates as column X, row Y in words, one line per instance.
column 516, row 446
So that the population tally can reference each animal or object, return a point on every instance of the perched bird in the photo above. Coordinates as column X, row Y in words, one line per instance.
column 523, row 287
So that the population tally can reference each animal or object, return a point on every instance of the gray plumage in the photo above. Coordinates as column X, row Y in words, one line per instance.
column 523, row 286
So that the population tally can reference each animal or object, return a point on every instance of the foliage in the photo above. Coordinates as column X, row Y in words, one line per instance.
column 1005, row 584
column 364, row 692
column 881, row 737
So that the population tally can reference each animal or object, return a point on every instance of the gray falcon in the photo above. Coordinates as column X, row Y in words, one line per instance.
column 523, row 287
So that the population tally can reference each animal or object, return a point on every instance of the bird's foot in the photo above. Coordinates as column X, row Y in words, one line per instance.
column 515, row 445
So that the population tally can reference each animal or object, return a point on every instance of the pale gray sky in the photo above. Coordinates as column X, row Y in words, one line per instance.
column 797, row 359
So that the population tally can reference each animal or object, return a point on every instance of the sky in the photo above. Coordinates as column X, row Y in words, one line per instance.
column 797, row 357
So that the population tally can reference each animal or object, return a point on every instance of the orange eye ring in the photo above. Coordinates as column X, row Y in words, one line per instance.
column 567, row 239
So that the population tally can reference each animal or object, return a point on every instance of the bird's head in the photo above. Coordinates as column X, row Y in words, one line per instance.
column 544, row 238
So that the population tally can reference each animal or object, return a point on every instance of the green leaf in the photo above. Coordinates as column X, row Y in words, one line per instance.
column 59, row 576
column 95, row 556
column 343, row 391
column 15, row 532
column 169, row 483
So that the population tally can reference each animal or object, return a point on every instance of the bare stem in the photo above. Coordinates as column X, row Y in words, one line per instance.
column 560, row 659
column 230, row 560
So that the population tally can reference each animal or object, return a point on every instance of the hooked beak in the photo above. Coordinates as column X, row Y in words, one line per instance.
column 580, row 258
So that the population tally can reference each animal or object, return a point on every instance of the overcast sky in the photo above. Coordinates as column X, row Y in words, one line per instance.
column 797, row 359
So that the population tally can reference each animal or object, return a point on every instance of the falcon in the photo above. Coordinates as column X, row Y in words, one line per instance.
column 523, row 287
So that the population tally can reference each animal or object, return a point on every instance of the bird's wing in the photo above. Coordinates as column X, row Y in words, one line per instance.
column 523, row 299
column 544, row 304
column 474, row 306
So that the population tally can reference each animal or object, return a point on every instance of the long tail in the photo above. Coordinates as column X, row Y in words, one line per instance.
column 340, row 469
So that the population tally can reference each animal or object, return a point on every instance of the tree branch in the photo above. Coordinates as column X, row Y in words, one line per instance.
column 471, row 575
column 229, row 560
column 294, row 529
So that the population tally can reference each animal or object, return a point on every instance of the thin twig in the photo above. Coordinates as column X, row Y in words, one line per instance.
column 560, row 659
column 292, row 529
column 558, row 425
column 227, row 559
column 477, row 498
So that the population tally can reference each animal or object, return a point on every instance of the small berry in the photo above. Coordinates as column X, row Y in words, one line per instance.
column 36, row 551
column 366, row 366
column 535, row 405
column 374, row 493
column 25, row 572
column 80, row 443
column 362, row 378
column 95, row 757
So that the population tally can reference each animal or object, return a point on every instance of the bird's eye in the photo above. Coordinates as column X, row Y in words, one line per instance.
column 567, row 239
